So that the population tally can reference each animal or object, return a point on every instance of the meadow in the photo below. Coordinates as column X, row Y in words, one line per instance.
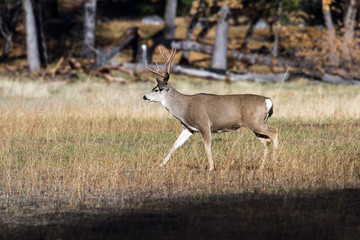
column 92, row 146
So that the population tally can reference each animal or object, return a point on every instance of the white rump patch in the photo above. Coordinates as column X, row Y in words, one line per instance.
column 269, row 104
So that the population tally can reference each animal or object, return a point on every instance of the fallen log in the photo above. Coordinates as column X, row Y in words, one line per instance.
column 197, row 72
column 52, row 72
column 189, row 45
column 237, row 55
column 104, row 72
column 234, row 77
column 277, row 77
column 112, row 79
column 131, row 36
column 331, row 78
column 75, row 64
column 266, row 60
column 209, row 74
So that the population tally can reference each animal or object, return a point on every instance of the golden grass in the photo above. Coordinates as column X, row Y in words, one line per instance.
column 91, row 145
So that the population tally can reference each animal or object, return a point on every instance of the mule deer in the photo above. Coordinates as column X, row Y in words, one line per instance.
column 209, row 113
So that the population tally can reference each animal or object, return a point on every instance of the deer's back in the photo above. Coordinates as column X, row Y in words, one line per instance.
column 226, row 112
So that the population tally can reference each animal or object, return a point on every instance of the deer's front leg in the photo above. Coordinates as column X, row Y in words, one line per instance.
column 183, row 137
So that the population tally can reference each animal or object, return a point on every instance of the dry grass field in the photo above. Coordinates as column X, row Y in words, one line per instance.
column 93, row 146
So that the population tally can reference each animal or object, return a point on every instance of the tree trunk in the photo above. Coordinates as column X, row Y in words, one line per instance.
column 170, row 14
column 349, row 27
column 278, row 29
column 250, row 30
column 330, row 31
column 11, row 29
column 195, row 19
column 207, row 25
column 40, row 33
column 31, row 38
column 8, row 40
column 88, row 47
column 218, row 60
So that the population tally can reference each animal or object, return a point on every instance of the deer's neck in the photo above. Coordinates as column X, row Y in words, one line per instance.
column 176, row 103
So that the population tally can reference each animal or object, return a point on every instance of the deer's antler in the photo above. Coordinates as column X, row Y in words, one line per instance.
column 167, row 64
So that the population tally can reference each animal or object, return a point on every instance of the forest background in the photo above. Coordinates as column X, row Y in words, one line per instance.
column 317, row 38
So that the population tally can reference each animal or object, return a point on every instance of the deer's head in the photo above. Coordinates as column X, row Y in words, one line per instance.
column 159, row 93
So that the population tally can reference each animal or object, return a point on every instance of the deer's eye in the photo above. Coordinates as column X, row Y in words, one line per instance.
column 156, row 90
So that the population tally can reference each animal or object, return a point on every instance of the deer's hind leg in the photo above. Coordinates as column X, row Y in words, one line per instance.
column 206, row 136
column 264, row 133
column 265, row 140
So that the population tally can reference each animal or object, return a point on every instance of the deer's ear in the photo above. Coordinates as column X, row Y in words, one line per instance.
column 159, row 81
column 162, row 85
column 166, row 79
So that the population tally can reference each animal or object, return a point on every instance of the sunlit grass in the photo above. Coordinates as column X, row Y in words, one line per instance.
column 91, row 144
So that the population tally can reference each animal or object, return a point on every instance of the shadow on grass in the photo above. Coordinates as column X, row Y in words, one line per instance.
column 321, row 215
